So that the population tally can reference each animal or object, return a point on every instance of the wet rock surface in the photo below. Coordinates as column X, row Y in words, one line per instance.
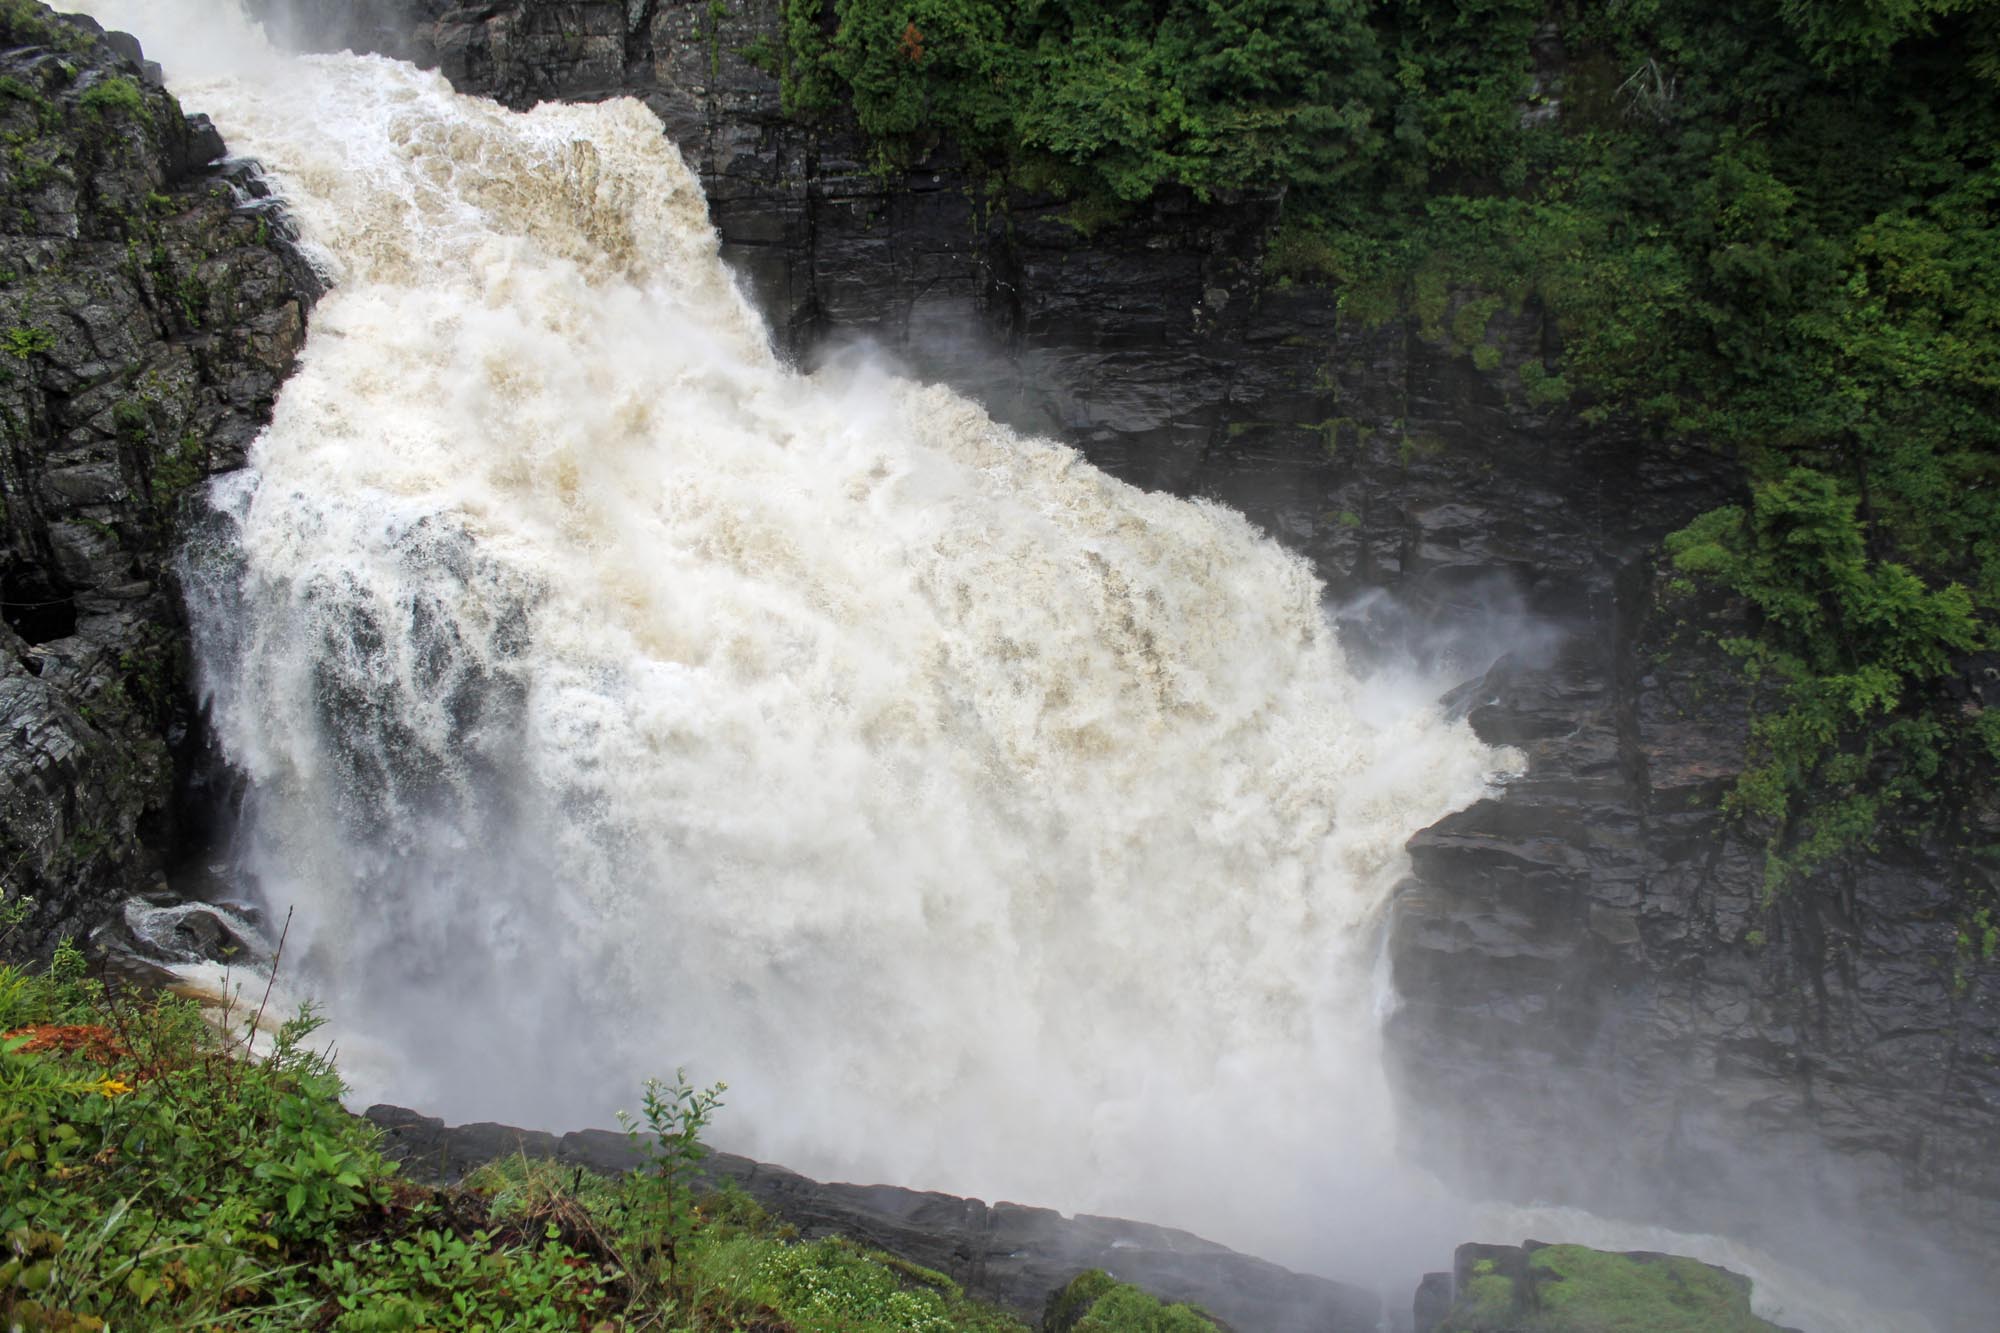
column 1003, row 1253
column 1600, row 1007
column 149, row 308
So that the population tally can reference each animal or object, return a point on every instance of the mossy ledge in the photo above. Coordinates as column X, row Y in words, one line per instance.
column 1538, row 1288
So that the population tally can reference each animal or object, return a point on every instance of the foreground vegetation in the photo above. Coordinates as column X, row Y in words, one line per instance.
column 153, row 1178
column 1770, row 225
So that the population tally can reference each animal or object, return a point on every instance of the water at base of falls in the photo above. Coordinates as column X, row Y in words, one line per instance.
column 616, row 699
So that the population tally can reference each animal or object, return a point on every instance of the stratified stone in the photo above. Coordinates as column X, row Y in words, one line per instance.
column 147, row 317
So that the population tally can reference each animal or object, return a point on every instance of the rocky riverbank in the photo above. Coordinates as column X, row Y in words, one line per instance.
column 1005, row 1253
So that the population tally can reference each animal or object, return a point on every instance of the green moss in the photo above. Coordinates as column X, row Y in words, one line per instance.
column 178, row 467
column 115, row 97
column 21, row 91
column 23, row 341
column 1096, row 1302
column 1487, row 1303
column 1588, row 1291
column 26, row 23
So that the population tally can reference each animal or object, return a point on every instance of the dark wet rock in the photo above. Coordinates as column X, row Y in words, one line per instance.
column 146, row 321
column 1004, row 1253
column 1433, row 1302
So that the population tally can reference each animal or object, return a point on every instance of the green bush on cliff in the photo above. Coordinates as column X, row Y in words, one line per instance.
column 114, row 97
column 1772, row 226
column 1096, row 1302
column 1111, row 97
column 153, row 1178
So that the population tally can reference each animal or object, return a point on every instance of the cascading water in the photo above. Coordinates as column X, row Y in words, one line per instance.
column 615, row 698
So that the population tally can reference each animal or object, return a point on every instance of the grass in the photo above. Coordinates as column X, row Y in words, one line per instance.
column 156, row 1179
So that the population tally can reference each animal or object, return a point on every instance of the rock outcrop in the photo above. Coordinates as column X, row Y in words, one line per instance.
column 1599, row 1005
column 1003, row 1253
column 1537, row 1288
column 149, row 309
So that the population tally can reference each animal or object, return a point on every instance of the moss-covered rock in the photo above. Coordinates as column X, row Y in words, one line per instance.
column 1096, row 1302
column 1536, row 1288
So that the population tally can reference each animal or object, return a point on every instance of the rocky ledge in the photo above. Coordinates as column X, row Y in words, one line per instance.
column 1537, row 1288
column 1004, row 1253
column 1028, row 1259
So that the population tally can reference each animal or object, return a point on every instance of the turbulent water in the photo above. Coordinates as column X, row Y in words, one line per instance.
column 615, row 698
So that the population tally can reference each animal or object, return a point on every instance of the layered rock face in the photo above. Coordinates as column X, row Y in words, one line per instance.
column 149, row 309
column 1598, row 1005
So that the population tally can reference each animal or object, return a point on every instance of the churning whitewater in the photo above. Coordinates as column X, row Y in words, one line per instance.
column 615, row 698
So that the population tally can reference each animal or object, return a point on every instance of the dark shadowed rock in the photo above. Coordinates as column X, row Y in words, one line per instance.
column 148, row 319
column 1435, row 1293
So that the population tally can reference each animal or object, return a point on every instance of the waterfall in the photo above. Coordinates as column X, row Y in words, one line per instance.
column 615, row 698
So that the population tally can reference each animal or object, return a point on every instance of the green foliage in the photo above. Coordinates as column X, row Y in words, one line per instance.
column 435, row 1277
column 152, row 1177
column 23, row 341
column 1096, row 1302
column 674, row 1118
column 27, row 23
column 831, row 1285
column 1848, row 641
column 1103, row 97
column 115, row 97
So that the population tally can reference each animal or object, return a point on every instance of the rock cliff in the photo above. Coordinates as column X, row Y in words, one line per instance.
column 149, row 308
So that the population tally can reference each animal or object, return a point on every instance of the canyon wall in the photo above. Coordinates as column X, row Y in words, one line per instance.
column 1598, row 1004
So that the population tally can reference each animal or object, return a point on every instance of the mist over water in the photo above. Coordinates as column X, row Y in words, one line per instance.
column 615, row 698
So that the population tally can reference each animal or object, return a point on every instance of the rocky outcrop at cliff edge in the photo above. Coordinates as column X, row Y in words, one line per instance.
column 147, row 316
column 1599, row 1007
column 1538, row 1288
column 1003, row 1253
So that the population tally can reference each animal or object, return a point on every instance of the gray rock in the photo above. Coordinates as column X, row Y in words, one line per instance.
column 148, row 323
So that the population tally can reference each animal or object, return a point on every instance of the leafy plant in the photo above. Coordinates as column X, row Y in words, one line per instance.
column 24, row 341
column 115, row 96
column 673, row 1119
